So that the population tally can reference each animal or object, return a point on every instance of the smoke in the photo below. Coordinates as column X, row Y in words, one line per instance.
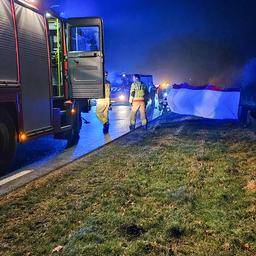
column 196, row 61
column 249, row 74
column 247, row 83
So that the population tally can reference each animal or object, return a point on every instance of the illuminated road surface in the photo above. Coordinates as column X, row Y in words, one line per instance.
column 39, row 157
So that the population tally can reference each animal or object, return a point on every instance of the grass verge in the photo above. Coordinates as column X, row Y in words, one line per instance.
column 168, row 191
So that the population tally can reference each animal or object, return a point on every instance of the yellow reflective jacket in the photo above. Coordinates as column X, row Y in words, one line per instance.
column 137, row 92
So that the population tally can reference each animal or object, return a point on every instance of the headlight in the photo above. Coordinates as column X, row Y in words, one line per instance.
column 122, row 97
column 165, row 94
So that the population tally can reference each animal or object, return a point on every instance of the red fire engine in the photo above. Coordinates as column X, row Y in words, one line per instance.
column 49, row 70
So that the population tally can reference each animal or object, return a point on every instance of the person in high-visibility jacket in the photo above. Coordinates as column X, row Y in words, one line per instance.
column 102, row 108
column 138, row 97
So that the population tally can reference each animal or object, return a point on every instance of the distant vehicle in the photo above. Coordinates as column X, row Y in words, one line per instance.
column 121, row 85
column 162, row 93
column 248, row 93
column 49, row 70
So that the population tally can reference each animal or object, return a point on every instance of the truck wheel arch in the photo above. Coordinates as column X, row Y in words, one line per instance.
column 10, row 107
column 8, row 139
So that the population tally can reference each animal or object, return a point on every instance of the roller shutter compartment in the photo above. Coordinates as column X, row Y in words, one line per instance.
column 8, row 64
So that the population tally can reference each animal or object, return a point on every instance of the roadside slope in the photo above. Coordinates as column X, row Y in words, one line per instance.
column 185, row 189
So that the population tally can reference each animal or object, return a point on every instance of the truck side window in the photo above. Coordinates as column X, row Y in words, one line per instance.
column 85, row 39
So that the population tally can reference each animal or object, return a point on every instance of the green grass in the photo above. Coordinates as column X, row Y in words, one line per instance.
column 154, row 193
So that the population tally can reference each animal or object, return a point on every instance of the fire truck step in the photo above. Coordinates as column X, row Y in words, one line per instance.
column 65, row 128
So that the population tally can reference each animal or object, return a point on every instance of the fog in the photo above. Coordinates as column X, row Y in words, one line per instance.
column 177, row 41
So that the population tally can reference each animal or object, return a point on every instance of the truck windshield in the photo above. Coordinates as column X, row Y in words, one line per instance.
column 85, row 39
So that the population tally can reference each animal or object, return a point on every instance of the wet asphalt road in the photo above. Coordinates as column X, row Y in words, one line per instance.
column 40, row 156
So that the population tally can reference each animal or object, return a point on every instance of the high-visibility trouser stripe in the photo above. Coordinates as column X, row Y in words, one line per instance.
column 141, row 100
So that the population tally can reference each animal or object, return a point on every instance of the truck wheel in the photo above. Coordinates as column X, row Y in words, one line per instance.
column 73, row 136
column 8, row 140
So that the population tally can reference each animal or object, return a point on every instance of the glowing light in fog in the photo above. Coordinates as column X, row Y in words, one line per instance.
column 48, row 15
column 164, row 85
column 122, row 97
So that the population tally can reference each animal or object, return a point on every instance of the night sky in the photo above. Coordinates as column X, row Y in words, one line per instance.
column 175, row 40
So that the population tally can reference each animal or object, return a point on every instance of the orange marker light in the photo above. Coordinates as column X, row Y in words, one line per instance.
column 23, row 137
column 73, row 111
column 164, row 85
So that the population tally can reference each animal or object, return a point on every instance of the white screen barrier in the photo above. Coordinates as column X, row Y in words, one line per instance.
column 206, row 103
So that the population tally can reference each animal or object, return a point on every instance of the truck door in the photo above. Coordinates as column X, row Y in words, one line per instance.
column 86, row 57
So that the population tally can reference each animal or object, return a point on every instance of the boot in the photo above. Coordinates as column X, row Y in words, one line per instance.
column 132, row 127
column 105, row 128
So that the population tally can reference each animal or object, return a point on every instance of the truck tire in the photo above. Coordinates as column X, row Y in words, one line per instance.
column 8, row 140
column 74, row 136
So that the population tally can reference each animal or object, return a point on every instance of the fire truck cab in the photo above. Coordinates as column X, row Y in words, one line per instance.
column 49, row 70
